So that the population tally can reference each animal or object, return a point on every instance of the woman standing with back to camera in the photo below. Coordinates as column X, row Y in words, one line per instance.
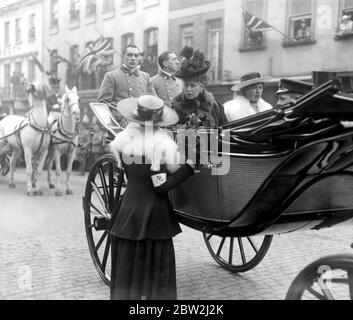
column 143, row 258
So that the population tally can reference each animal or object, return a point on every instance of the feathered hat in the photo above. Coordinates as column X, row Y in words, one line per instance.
column 193, row 63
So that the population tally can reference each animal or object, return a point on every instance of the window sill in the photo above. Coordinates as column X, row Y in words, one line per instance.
column 243, row 48
column 54, row 30
column 293, row 43
column 343, row 36
column 127, row 8
column 108, row 14
column 73, row 24
column 90, row 19
column 150, row 3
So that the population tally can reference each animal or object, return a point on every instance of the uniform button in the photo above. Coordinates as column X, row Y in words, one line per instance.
column 140, row 81
column 167, row 84
column 130, row 89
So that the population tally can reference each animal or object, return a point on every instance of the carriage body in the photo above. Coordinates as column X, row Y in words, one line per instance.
column 290, row 169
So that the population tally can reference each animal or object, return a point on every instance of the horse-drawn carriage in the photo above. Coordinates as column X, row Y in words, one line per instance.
column 290, row 169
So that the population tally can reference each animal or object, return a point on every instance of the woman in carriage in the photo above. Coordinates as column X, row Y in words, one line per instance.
column 195, row 105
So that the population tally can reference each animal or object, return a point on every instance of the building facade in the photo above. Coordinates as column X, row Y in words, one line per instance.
column 305, row 36
column 72, row 25
column 21, row 44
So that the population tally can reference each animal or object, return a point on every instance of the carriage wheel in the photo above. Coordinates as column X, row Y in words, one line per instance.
column 104, row 190
column 4, row 164
column 329, row 278
column 237, row 254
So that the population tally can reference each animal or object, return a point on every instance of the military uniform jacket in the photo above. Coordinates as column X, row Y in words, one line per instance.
column 167, row 87
column 122, row 83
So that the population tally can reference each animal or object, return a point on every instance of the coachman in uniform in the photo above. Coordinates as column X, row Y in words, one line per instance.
column 127, row 81
column 291, row 90
column 166, row 85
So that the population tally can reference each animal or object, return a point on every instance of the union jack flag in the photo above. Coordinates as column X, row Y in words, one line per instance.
column 96, row 55
column 254, row 23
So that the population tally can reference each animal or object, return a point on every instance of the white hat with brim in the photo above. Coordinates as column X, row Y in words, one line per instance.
column 148, row 109
column 345, row 17
column 249, row 80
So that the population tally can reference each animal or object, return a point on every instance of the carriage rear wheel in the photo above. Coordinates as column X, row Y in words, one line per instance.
column 4, row 164
column 329, row 278
column 237, row 254
column 104, row 190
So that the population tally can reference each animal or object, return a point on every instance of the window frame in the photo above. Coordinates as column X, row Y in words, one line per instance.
column 32, row 27
column 74, row 13
column 54, row 22
column 7, row 39
column 18, row 30
column 290, row 40
column 125, row 36
column 110, row 8
column 244, row 46
column 184, row 27
column 341, row 11
column 217, row 71
column 89, row 5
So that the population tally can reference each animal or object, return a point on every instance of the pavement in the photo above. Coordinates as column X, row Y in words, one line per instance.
column 44, row 254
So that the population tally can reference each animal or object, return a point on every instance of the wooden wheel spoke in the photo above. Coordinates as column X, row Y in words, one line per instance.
column 231, row 247
column 340, row 280
column 325, row 290
column 98, row 194
column 350, row 282
column 241, row 247
column 316, row 294
column 100, row 212
column 220, row 247
column 100, row 242
column 253, row 245
column 106, row 254
column 104, row 184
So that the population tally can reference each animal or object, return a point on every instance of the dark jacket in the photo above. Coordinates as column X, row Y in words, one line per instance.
column 205, row 108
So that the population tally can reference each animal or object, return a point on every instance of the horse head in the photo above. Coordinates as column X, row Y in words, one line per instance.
column 38, row 91
column 70, row 103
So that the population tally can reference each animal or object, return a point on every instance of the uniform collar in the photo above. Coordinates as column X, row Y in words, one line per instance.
column 128, row 71
column 166, row 75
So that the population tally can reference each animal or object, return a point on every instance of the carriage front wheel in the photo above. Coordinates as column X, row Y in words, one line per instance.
column 237, row 254
column 329, row 278
column 104, row 190
column 4, row 164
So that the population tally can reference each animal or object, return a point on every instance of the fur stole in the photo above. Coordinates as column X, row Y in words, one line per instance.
column 156, row 145
column 205, row 101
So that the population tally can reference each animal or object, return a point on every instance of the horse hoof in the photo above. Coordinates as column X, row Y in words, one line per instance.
column 58, row 194
column 69, row 192
column 39, row 193
column 51, row 186
column 31, row 193
column 12, row 186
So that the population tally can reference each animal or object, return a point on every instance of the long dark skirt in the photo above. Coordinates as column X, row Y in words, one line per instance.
column 143, row 270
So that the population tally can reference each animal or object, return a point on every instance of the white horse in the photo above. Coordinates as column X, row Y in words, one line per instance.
column 30, row 134
column 64, row 139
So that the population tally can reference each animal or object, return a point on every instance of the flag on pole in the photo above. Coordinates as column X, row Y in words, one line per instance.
column 254, row 23
column 96, row 55
column 37, row 62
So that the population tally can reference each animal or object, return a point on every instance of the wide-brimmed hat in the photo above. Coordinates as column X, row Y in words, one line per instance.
column 148, row 109
column 346, row 17
column 250, row 79
column 294, row 86
column 193, row 64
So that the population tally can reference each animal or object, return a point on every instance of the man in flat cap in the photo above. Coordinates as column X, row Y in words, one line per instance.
column 291, row 90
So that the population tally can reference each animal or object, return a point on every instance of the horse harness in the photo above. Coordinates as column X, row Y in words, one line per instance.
column 60, row 129
column 32, row 123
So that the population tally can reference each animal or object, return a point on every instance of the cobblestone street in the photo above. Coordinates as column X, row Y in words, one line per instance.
column 51, row 260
